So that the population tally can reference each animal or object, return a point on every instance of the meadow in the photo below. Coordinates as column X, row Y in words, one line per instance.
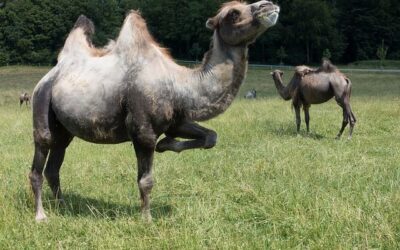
column 261, row 187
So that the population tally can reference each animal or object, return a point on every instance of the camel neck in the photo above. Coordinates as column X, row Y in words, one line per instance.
column 218, row 80
column 284, row 91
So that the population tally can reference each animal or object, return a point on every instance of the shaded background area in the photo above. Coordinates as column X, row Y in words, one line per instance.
column 33, row 31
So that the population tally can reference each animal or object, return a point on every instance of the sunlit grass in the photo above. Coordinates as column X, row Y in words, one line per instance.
column 262, row 186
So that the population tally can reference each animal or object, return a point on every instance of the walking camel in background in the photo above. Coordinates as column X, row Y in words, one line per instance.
column 25, row 97
column 143, row 93
column 314, row 86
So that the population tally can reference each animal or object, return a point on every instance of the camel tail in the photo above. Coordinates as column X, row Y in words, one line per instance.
column 348, row 85
column 41, row 108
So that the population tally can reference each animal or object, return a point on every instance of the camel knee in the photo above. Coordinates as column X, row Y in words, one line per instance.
column 42, row 137
column 146, row 140
column 210, row 140
column 146, row 183
column 352, row 122
column 36, row 180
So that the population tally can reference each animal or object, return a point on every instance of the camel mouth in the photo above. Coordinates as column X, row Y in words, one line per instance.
column 269, row 18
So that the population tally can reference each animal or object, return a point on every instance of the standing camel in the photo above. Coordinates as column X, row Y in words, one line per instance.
column 24, row 98
column 132, row 90
column 314, row 86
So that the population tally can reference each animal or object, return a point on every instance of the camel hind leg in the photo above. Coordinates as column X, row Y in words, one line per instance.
column 351, row 117
column 42, row 140
column 307, row 116
column 36, row 178
column 54, row 139
column 62, row 139
column 44, row 136
column 348, row 117
column 344, row 124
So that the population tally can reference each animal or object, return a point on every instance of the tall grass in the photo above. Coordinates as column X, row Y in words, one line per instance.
column 262, row 186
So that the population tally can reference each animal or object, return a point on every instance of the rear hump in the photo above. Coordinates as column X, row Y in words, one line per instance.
column 86, row 25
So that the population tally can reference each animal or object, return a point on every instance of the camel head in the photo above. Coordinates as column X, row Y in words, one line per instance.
column 277, row 74
column 238, row 23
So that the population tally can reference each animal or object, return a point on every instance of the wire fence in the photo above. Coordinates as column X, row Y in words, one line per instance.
column 264, row 66
column 288, row 67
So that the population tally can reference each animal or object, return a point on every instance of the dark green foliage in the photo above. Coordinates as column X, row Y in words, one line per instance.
column 365, row 23
column 381, row 52
column 33, row 31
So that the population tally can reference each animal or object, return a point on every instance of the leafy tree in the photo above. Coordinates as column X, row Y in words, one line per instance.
column 313, row 27
column 382, row 52
column 281, row 54
column 33, row 31
column 327, row 54
column 365, row 22
column 195, row 51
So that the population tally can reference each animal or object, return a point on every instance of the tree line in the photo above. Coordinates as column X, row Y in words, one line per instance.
column 33, row 31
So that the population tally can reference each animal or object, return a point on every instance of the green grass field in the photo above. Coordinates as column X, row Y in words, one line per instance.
column 261, row 187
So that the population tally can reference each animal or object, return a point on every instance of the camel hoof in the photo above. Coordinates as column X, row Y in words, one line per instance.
column 41, row 217
column 146, row 217
column 164, row 144
column 61, row 203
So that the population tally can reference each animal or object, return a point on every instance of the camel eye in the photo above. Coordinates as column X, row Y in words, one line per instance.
column 265, row 5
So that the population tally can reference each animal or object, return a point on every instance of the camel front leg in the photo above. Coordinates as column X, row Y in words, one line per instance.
column 298, row 119
column 144, row 154
column 307, row 117
column 202, row 138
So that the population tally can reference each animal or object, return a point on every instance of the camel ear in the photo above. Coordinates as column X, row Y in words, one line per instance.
column 211, row 23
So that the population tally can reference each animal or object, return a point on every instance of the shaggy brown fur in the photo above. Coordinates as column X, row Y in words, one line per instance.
column 134, row 91
column 313, row 86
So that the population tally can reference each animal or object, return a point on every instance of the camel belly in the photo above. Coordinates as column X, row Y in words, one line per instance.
column 316, row 94
column 95, row 123
column 89, row 105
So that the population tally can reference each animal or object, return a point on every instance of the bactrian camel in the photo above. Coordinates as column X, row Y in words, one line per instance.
column 132, row 90
column 24, row 97
column 314, row 86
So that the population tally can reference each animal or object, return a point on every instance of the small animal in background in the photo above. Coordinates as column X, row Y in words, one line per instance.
column 251, row 94
column 25, row 97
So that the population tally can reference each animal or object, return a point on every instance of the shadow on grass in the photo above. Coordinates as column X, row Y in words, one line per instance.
column 77, row 205
column 290, row 131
